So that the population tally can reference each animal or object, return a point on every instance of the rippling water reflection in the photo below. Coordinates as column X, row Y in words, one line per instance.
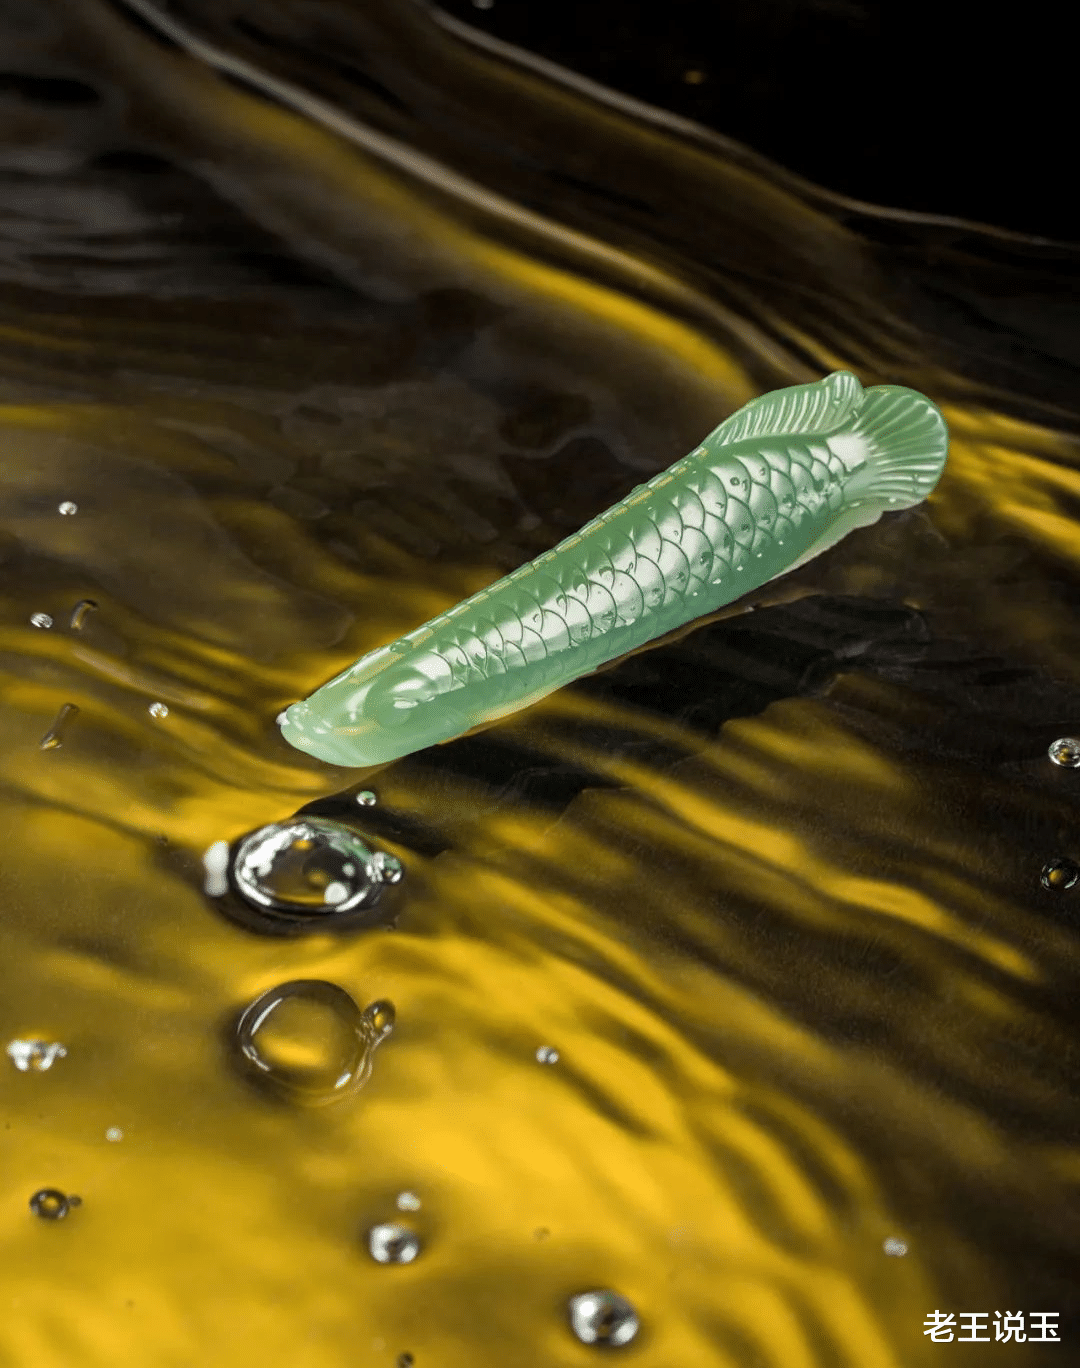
column 313, row 362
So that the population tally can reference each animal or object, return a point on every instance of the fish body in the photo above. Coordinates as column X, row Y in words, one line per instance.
column 777, row 483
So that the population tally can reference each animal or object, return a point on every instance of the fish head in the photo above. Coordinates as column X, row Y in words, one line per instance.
column 386, row 706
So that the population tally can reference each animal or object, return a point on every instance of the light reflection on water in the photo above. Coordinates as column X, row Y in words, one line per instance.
column 774, row 889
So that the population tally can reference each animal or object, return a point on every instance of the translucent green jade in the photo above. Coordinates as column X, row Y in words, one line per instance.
column 781, row 480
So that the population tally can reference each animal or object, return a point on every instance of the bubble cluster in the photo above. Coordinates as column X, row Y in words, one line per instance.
column 894, row 1247
column 602, row 1317
column 547, row 1054
column 158, row 710
column 308, row 1041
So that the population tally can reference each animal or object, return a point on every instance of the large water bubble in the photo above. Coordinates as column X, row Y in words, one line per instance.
column 308, row 1041
column 311, row 874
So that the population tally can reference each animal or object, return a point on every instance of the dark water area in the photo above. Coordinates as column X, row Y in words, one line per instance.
column 739, row 979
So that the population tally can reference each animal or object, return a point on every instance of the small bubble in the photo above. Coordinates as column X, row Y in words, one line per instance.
column 216, row 864
column 79, row 612
column 602, row 1317
column 51, row 1204
column 310, row 870
column 547, row 1054
column 54, row 737
column 366, row 798
column 158, row 710
column 114, row 1134
column 392, row 1243
column 42, row 620
column 309, row 1042
column 541, row 1233
column 483, row 4
column 34, row 1056
column 694, row 77
column 68, row 509
column 1059, row 874
column 408, row 1201
column 894, row 1247
column 1065, row 751
column 405, row 1360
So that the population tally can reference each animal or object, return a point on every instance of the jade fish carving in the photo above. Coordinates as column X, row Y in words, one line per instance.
column 778, row 482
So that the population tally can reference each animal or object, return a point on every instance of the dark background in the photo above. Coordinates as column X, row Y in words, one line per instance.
column 961, row 110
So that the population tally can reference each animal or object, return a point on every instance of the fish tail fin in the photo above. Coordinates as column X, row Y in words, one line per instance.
column 903, row 441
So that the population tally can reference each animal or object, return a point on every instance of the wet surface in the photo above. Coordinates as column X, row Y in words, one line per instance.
column 314, row 361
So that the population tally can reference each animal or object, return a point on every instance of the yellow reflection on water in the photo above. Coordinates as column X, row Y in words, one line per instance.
column 795, row 971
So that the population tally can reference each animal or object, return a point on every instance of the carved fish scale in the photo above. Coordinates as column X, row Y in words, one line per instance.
column 778, row 482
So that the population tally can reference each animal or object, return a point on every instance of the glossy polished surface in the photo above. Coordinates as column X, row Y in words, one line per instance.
column 776, row 484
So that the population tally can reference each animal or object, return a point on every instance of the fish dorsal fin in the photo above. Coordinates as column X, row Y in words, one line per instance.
column 819, row 408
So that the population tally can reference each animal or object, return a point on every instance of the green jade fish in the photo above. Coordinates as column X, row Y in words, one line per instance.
column 778, row 482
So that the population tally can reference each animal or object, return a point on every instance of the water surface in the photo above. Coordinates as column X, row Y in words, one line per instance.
column 323, row 318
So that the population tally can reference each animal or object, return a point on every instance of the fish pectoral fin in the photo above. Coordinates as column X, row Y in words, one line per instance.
column 847, row 520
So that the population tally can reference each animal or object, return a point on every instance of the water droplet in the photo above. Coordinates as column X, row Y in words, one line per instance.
column 34, row 1056
column 392, row 1243
column 68, row 509
column 1065, row 751
column 158, row 710
column 547, row 1054
column 366, row 798
column 1059, row 874
column 42, row 620
column 114, row 1134
column 51, row 1204
column 602, row 1317
column 309, row 1042
column 388, row 868
column 54, row 737
column 894, row 1247
column 79, row 612
column 311, row 870
column 408, row 1201
column 216, row 863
